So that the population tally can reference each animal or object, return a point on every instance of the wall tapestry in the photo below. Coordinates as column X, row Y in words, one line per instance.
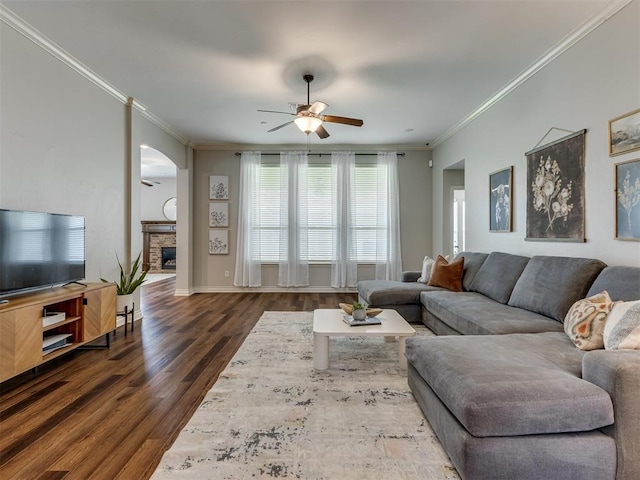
column 555, row 190
column 218, row 187
column 624, row 133
column 500, row 200
column 218, row 214
column 218, row 242
column 628, row 200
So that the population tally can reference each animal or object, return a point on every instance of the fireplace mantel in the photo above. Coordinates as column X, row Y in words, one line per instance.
column 155, row 235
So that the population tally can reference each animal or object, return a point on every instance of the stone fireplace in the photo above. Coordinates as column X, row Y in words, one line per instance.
column 159, row 246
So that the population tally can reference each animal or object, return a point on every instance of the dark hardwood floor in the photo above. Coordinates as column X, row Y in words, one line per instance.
column 111, row 413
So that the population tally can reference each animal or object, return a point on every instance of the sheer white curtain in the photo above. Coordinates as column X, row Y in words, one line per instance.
column 293, row 269
column 344, row 268
column 388, row 252
column 248, row 266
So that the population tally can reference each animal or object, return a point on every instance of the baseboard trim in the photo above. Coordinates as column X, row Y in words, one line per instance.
column 184, row 292
column 275, row 289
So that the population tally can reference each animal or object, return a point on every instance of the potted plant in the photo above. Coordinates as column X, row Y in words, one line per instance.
column 128, row 283
column 359, row 311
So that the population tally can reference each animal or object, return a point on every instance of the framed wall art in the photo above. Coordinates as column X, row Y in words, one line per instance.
column 628, row 200
column 218, row 187
column 624, row 133
column 218, row 242
column 218, row 214
column 555, row 190
column 500, row 200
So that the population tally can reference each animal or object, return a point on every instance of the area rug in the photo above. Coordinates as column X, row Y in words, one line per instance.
column 272, row 415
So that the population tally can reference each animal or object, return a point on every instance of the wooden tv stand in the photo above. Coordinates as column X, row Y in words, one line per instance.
column 89, row 312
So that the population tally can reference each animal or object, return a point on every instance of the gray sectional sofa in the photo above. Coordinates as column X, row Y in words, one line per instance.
column 505, row 389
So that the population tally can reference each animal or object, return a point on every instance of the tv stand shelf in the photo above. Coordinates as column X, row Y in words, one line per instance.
column 59, row 324
column 90, row 312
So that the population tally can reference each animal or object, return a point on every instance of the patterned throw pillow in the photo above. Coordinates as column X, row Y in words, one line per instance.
column 622, row 330
column 447, row 275
column 585, row 321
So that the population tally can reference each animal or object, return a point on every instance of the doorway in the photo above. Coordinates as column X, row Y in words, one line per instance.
column 458, row 222
column 158, row 211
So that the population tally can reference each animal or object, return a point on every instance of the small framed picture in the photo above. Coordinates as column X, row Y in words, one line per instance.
column 218, row 214
column 218, row 242
column 624, row 133
column 628, row 200
column 500, row 200
column 218, row 187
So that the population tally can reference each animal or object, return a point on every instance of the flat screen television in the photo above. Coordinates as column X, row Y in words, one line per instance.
column 39, row 250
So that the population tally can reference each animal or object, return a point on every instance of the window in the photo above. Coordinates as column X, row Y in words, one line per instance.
column 366, row 203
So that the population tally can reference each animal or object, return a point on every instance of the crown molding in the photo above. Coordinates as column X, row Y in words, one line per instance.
column 22, row 27
column 328, row 148
column 565, row 44
column 49, row 46
column 168, row 129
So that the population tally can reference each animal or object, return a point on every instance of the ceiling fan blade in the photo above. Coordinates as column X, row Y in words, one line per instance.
column 317, row 107
column 345, row 120
column 279, row 127
column 274, row 111
column 322, row 132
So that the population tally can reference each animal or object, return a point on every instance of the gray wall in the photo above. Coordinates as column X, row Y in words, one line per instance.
column 209, row 270
column 594, row 81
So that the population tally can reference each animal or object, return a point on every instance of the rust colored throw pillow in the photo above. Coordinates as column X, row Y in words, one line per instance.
column 447, row 275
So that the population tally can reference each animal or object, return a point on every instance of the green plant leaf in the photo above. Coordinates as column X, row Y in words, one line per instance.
column 130, row 279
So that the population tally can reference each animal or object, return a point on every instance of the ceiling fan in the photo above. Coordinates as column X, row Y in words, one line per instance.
column 308, row 118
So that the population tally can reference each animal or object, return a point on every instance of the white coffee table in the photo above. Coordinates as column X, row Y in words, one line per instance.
column 329, row 323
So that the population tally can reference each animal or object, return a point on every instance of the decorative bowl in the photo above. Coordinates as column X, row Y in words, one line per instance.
column 348, row 309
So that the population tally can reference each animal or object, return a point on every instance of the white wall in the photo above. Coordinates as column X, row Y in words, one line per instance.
column 62, row 147
column 414, row 177
column 595, row 80
column 154, row 136
column 67, row 146
column 152, row 199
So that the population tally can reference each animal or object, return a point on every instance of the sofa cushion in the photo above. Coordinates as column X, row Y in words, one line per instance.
column 390, row 292
column 498, row 275
column 474, row 314
column 622, row 283
column 584, row 323
column 472, row 263
column 502, row 385
column 550, row 285
column 622, row 330
column 427, row 266
column 447, row 275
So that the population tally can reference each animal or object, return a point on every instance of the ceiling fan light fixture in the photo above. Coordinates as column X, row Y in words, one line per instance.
column 308, row 124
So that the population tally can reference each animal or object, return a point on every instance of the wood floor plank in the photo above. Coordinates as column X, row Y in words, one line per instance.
column 111, row 414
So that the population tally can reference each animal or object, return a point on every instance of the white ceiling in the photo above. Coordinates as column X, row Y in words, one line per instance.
column 410, row 69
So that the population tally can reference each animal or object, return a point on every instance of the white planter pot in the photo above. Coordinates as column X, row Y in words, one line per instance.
column 359, row 314
column 124, row 300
